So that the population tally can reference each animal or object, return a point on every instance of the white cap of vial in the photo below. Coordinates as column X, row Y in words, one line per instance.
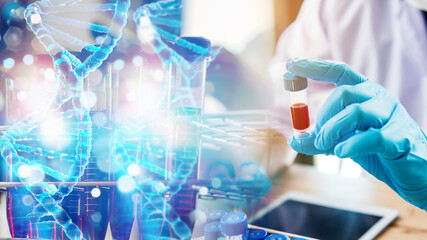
column 294, row 83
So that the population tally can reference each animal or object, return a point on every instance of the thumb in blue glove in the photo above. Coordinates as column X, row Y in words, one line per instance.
column 363, row 121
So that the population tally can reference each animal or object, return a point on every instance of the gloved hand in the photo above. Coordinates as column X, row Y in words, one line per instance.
column 363, row 121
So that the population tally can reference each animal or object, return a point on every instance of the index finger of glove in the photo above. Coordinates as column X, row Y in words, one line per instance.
column 325, row 71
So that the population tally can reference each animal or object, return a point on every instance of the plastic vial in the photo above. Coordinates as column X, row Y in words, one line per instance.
column 213, row 231
column 199, row 226
column 296, row 87
column 234, row 226
column 256, row 234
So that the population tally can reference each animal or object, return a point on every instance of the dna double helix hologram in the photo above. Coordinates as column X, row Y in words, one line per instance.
column 165, row 146
column 24, row 146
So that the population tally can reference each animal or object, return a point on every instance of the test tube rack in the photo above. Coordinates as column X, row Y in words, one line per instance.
column 241, row 128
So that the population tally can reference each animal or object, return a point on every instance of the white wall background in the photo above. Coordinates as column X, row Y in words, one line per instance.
column 229, row 23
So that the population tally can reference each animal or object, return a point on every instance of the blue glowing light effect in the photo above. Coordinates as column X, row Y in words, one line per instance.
column 126, row 184
column 28, row 59
column 119, row 64
column 137, row 60
column 9, row 8
column 9, row 63
column 23, row 141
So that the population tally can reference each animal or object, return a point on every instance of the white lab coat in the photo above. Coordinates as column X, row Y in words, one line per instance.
column 386, row 40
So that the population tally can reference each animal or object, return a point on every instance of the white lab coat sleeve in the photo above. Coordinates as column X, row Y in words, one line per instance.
column 305, row 38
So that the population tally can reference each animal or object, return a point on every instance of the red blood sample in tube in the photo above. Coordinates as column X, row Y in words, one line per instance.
column 300, row 117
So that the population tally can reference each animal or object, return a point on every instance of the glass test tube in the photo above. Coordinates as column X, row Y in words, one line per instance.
column 188, row 78
column 297, row 89
column 186, row 100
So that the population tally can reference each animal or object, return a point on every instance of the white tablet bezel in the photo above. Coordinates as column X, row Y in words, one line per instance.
column 387, row 214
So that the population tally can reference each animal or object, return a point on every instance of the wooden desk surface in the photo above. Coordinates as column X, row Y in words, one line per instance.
column 410, row 225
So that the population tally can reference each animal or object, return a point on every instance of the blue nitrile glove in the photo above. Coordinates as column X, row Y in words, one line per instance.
column 363, row 121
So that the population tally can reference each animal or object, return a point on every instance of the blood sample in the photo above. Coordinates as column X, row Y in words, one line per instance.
column 300, row 117
column 296, row 87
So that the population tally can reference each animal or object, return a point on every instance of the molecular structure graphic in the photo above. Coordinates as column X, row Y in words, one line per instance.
column 23, row 145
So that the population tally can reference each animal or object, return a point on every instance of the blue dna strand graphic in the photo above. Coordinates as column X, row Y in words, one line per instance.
column 36, row 157
column 144, row 146
column 165, row 145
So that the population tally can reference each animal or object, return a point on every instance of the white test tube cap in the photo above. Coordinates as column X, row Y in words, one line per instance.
column 215, row 215
column 294, row 83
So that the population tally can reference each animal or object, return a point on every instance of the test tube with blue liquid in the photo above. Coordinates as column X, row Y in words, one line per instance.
column 19, row 201
column 119, row 214
column 186, row 100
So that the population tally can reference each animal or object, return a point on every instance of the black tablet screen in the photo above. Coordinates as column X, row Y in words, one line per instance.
column 317, row 221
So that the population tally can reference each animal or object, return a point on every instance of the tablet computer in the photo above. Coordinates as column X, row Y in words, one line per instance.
column 321, row 218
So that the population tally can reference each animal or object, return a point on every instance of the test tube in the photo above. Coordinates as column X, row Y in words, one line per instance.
column 188, row 77
column 234, row 226
column 186, row 100
column 297, row 90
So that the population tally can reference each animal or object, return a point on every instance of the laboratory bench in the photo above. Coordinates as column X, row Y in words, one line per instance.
column 410, row 225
